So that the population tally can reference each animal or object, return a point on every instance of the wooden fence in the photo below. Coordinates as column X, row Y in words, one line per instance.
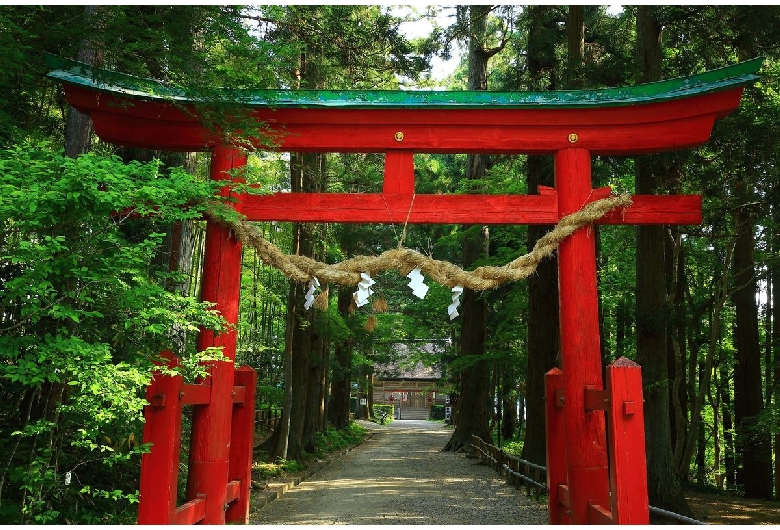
column 267, row 419
column 522, row 473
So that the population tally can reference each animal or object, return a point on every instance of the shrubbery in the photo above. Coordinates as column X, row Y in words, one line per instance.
column 84, row 313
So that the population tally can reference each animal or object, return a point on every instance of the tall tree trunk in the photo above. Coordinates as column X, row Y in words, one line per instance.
column 474, row 402
column 729, row 453
column 575, row 36
column 342, row 368
column 676, row 342
column 315, row 396
column 753, row 442
column 298, row 343
column 78, row 131
column 543, row 319
column 664, row 488
column 774, row 279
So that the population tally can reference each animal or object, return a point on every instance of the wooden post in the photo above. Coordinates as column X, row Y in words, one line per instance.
column 555, row 429
column 628, row 460
column 399, row 173
column 588, row 477
column 241, row 445
column 160, row 467
column 211, row 424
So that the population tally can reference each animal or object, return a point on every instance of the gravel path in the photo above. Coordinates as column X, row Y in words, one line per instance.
column 400, row 476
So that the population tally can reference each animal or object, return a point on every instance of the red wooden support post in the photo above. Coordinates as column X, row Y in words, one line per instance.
column 211, row 424
column 628, row 461
column 160, row 467
column 399, row 173
column 241, row 445
column 580, row 342
column 555, row 427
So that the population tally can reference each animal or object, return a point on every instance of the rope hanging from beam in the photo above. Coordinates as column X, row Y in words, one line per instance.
column 303, row 269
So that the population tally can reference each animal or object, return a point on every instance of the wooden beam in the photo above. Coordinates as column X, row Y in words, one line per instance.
column 635, row 128
column 454, row 209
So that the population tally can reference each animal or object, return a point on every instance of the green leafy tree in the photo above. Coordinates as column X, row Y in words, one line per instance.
column 83, row 318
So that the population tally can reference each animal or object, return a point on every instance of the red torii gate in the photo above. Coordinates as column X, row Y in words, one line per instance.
column 571, row 126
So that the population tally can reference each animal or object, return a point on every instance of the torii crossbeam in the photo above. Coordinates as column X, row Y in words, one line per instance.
column 572, row 126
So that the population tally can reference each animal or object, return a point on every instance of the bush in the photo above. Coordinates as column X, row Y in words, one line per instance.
column 336, row 439
column 437, row 412
column 383, row 411
column 84, row 313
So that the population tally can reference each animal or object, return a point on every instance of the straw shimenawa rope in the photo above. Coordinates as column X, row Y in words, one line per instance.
column 303, row 269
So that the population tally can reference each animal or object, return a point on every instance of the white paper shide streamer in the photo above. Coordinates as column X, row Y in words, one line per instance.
column 452, row 310
column 313, row 284
column 419, row 289
column 364, row 289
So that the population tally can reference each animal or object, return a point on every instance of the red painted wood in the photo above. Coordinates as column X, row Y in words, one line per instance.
column 239, row 394
column 600, row 515
column 399, row 173
column 555, row 431
column 633, row 129
column 196, row 394
column 453, row 209
column 378, row 208
column 191, row 512
column 658, row 209
column 621, row 139
column 580, row 342
column 241, row 445
column 141, row 133
column 628, row 468
column 211, row 424
column 233, row 491
column 160, row 467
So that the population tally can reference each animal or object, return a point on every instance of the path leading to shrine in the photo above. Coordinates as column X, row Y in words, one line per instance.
column 399, row 476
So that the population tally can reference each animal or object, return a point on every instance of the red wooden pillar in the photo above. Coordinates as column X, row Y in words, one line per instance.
column 628, row 464
column 242, row 444
column 555, row 429
column 160, row 467
column 211, row 424
column 580, row 343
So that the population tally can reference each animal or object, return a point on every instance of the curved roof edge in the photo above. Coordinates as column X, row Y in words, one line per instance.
column 81, row 74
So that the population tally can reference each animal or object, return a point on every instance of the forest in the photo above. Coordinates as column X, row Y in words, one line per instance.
column 91, row 295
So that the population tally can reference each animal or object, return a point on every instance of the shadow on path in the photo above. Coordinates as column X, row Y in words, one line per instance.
column 400, row 476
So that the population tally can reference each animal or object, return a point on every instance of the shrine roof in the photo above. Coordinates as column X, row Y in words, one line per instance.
column 119, row 84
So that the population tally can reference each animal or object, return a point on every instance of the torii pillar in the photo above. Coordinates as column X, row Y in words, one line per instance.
column 586, row 455
column 210, row 462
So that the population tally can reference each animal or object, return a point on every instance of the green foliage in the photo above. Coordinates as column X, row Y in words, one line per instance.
column 337, row 439
column 383, row 411
column 280, row 468
column 437, row 412
column 83, row 315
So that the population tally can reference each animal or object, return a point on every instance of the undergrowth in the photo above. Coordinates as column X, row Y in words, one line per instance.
column 330, row 441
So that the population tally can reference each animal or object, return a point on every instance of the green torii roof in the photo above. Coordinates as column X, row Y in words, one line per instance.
column 73, row 72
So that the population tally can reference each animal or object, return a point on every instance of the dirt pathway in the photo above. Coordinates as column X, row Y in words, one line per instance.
column 400, row 476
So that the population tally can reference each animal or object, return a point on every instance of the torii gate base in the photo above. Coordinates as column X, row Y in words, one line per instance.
column 589, row 480
column 167, row 395
column 622, row 403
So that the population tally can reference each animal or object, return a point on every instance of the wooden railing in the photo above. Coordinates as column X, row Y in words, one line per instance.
column 518, row 472
column 267, row 419
column 521, row 472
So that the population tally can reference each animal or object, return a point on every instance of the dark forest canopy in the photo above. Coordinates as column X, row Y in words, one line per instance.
column 89, row 299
